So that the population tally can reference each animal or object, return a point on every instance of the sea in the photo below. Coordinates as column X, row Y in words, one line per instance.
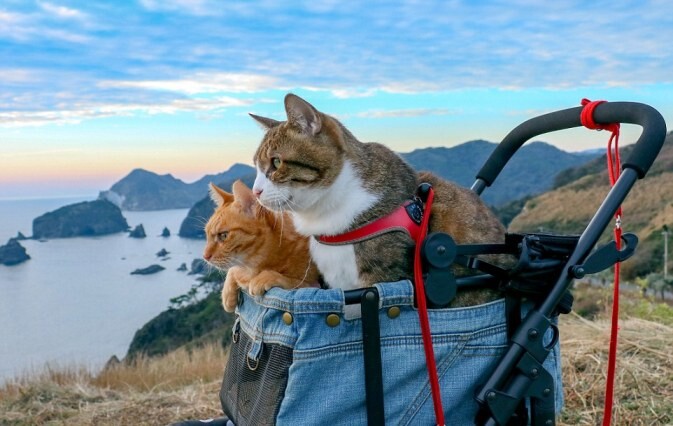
column 75, row 303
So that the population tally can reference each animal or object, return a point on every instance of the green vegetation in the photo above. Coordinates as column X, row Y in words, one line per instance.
column 592, row 302
column 190, row 321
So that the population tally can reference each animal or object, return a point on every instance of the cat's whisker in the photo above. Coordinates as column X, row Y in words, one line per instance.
column 282, row 224
column 200, row 220
column 308, row 268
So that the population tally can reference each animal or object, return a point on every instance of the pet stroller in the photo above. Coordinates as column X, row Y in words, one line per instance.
column 314, row 356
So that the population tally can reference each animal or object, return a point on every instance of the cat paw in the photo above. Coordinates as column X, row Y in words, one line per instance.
column 261, row 284
column 230, row 298
column 230, row 289
column 256, row 288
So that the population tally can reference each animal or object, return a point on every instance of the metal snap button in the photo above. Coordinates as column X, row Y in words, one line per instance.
column 393, row 312
column 333, row 320
column 287, row 318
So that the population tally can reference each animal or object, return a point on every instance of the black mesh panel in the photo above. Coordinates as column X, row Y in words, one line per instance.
column 252, row 391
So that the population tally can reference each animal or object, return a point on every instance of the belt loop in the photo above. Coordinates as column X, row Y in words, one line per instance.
column 236, row 329
column 255, row 351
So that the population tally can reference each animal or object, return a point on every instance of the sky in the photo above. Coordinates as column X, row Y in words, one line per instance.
column 90, row 90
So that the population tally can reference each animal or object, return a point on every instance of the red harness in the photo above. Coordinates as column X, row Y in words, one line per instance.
column 399, row 220
column 407, row 218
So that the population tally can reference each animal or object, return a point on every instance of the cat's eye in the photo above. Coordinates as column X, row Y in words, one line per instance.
column 222, row 236
column 276, row 162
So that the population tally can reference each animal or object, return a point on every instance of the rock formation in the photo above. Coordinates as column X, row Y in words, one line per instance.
column 138, row 232
column 152, row 269
column 13, row 253
column 85, row 219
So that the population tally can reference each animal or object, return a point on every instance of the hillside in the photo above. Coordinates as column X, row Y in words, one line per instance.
column 144, row 190
column 531, row 171
column 569, row 207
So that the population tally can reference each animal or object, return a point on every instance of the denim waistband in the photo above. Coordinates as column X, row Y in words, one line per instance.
column 287, row 317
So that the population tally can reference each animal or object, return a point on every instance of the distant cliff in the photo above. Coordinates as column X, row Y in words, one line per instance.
column 85, row 219
column 198, row 215
column 145, row 190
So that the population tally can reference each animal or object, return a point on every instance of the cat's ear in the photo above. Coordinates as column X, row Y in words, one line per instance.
column 302, row 115
column 244, row 196
column 219, row 196
column 266, row 123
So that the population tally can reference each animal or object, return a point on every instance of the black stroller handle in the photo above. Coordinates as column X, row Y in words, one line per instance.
column 646, row 150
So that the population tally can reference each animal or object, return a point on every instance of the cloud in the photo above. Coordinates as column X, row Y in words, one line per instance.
column 10, row 18
column 400, row 113
column 204, row 48
column 193, row 7
column 62, row 12
column 349, row 93
column 28, row 27
column 202, row 83
column 17, row 75
column 87, row 112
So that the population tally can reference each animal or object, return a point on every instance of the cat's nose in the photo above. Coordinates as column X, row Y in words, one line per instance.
column 207, row 256
column 257, row 192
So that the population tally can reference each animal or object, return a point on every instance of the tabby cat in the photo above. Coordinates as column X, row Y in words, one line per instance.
column 260, row 248
column 331, row 183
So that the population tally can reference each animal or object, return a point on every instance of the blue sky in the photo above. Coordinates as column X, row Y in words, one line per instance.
column 90, row 90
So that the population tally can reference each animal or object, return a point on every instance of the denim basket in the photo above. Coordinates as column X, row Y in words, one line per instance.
column 297, row 359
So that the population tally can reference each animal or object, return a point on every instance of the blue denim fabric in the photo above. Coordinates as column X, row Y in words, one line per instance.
column 326, row 378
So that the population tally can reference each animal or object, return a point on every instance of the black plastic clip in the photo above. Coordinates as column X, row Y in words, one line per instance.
column 606, row 256
column 439, row 252
column 423, row 191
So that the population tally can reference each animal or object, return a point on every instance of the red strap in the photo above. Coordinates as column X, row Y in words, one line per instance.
column 398, row 220
column 614, row 170
column 423, row 314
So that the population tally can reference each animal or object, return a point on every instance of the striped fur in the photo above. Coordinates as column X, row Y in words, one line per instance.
column 259, row 249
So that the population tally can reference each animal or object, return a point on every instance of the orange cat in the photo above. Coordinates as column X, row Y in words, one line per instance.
column 260, row 248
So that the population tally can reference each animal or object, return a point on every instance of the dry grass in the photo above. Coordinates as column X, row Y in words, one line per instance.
column 178, row 386
column 644, row 373
column 184, row 385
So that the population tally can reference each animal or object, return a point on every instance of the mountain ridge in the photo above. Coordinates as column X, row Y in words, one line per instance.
column 143, row 190
column 529, row 172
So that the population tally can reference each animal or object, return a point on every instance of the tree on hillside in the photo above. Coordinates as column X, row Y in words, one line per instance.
column 643, row 284
column 659, row 284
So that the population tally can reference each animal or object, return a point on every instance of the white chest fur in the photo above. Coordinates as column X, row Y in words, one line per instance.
column 337, row 264
column 333, row 209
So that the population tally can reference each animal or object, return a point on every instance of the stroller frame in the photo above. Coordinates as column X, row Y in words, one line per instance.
column 519, row 373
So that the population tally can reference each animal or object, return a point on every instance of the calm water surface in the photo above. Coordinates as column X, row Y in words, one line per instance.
column 74, row 302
